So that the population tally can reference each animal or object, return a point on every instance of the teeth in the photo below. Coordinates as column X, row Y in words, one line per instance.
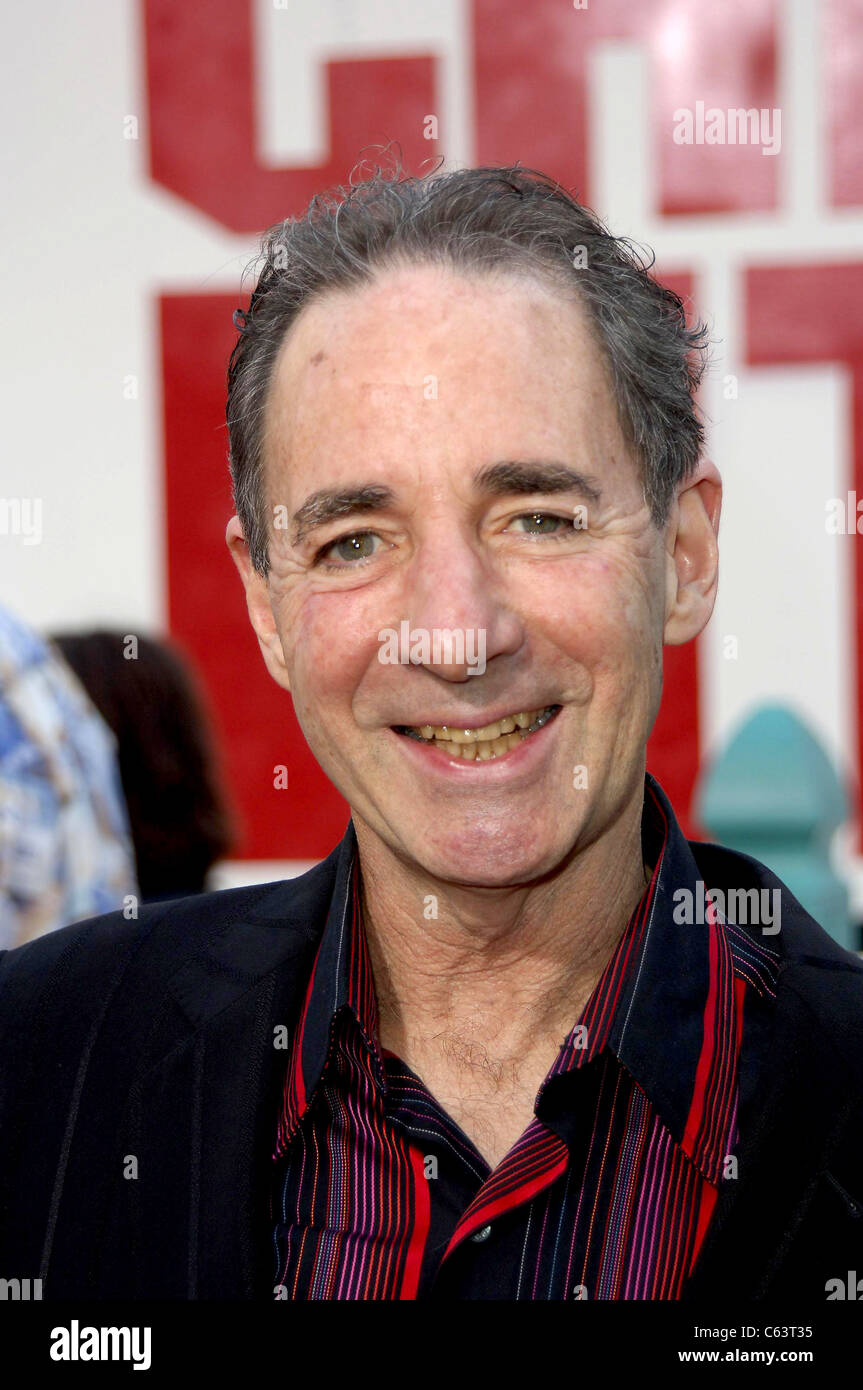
column 487, row 734
column 488, row 742
column 457, row 735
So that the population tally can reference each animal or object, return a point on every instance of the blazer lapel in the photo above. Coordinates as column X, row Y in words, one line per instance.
column 201, row 1119
column 798, row 1117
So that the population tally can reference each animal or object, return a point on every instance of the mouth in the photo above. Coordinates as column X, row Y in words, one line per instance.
column 483, row 743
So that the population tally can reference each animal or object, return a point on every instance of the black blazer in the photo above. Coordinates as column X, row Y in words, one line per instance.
column 150, row 1043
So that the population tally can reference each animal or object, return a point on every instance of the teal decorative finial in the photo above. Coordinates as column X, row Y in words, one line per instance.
column 774, row 793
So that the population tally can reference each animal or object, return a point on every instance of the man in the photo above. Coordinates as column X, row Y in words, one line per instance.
column 476, row 1053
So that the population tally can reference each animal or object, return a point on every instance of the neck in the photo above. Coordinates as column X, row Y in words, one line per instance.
column 512, row 967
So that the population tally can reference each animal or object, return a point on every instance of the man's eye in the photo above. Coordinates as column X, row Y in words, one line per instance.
column 543, row 523
column 348, row 549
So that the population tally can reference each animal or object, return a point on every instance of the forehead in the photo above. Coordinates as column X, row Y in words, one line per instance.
column 429, row 364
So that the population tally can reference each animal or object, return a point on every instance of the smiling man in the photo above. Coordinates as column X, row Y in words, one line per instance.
column 475, row 1054
column 454, row 508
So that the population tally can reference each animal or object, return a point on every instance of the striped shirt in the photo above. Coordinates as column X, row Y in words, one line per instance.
column 608, row 1193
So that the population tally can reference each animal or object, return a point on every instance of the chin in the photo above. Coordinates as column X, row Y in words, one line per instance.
column 486, row 858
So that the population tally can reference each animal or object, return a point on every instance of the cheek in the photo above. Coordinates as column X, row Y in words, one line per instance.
column 331, row 643
column 637, row 619
column 601, row 616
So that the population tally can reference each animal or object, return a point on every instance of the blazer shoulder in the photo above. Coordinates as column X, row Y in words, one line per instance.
column 77, row 962
column 819, row 982
column 800, row 935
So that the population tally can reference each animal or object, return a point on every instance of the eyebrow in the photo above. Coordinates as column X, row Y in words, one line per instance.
column 522, row 476
column 519, row 477
column 328, row 504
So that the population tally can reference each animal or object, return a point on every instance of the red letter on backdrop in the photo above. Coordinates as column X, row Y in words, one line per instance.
column 530, row 78
column 200, row 77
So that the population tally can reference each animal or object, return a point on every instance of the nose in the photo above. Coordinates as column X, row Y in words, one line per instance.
column 460, row 614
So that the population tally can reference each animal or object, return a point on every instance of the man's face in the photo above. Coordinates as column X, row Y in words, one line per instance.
column 418, row 388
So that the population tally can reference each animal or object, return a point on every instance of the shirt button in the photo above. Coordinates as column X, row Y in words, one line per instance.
column 482, row 1234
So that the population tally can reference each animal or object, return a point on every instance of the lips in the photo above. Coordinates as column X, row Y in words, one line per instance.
column 487, row 741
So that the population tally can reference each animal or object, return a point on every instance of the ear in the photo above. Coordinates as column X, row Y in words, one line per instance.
column 692, row 555
column 258, row 604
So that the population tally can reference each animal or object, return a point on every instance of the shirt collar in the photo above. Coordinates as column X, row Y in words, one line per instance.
column 341, row 978
column 666, row 1004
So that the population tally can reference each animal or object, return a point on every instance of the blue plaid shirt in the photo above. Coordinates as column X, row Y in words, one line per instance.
column 65, row 848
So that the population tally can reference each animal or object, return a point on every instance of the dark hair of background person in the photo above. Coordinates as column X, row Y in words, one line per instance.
column 179, row 815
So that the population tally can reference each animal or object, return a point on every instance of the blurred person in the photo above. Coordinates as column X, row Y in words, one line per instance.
column 65, row 852
column 496, row 1045
column 146, row 692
